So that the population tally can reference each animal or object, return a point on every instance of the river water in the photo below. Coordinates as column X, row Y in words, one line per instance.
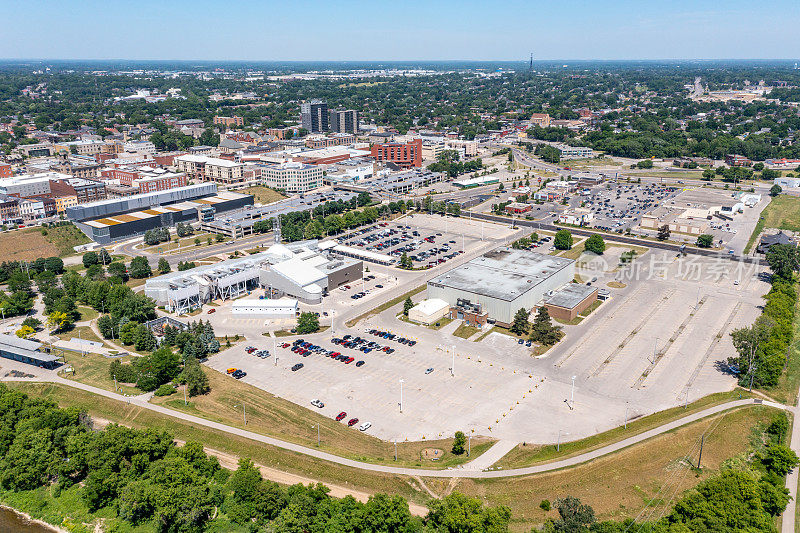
column 12, row 522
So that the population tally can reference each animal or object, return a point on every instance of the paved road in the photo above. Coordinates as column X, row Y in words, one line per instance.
column 788, row 519
column 587, row 232
column 463, row 472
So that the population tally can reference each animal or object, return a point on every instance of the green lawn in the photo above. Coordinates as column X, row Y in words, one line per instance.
column 263, row 195
column 87, row 313
column 464, row 331
column 383, row 307
column 783, row 212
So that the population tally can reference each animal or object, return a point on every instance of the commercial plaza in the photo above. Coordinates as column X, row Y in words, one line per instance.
column 656, row 343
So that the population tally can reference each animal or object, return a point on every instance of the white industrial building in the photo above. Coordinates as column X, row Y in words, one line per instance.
column 266, row 307
column 502, row 281
column 299, row 270
column 429, row 311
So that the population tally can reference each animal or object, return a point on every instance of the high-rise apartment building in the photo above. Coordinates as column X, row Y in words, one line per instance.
column 314, row 116
column 344, row 121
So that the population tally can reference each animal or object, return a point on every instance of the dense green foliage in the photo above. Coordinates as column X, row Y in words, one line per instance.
column 142, row 478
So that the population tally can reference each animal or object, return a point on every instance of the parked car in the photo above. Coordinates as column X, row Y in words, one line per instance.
column 341, row 416
column 210, row 311
column 317, row 403
column 365, row 426
column 297, row 367
column 352, row 422
column 428, row 370
column 360, row 363
column 231, row 370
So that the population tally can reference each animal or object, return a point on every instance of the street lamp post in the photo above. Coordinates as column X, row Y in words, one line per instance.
column 572, row 394
column 626, row 415
column 401, row 394
column 318, row 440
column 558, row 445
column 244, row 411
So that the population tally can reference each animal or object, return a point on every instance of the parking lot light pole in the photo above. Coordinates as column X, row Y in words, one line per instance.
column 244, row 411
column 317, row 426
column 469, row 445
column 395, row 449
column 572, row 394
column 558, row 444
column 401, row 394
column 626, row 415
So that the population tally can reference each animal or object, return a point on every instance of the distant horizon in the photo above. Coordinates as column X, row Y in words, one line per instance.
column 351, row 30
column 391, row 61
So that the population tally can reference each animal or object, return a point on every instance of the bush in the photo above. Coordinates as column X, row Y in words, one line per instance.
column 563, row 240
column 595, row 244
column 165, row 390
column 544, row 505
column 458, row 443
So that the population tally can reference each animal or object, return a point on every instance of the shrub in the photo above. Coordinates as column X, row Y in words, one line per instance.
column 165, row 390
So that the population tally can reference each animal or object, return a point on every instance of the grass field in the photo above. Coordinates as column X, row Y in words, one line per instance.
column 464, row 331
column 783, row 212
column 270, row 415
column 530, row 455
column 87, row 313
column 92, row 369
column 263, row 195
column 384, row 306
column 28, row 244
column 619, row 486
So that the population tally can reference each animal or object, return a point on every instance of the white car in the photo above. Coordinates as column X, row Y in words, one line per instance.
column 317, row 403
column 365, row 426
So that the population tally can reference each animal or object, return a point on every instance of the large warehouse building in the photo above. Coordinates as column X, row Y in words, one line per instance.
column 120, row 218
column 299, row 270
column 497, row 284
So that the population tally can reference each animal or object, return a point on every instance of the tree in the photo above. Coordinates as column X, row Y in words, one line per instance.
column 32, row 322
column 24, row 332
column 457, row 513
column 780, row 459
column 195, row 378
column 405, row 262
column 663, row 232
column 59, row 320
column 407, row 305
column 140, row 268
column 543, row 331
column 595, row 244
column 103, row 256
column 163, row 266
column 307, row 323
column 647, row 163
column 563, row 240
column 459, row 441
column 574, row 516
column 705, row 241
column 783, row 260
column 89, row 259
column 520, row 325
column 747, row 342
column 117, row 270
column 775, row 190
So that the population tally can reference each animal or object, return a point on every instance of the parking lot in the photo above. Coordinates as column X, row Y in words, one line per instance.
column 621, row 206
column 428, row 242
column 660, row 340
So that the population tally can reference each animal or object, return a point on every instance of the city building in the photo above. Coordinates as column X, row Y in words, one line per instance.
column 501, row 282
column 143, row 147
column 343, row 121
column 292, row 177
column 27, row 351
column 325, row 141
column 229, row 121
column 82, row 189
column 314, row 116
column 121, row 218
column 571, row 300
column 278, row 308
column 516, row 208
column 299, row 271
column 81, row 147
column 540, row 119
column 787, row 183
column 205, row 168
column 36, row 207
column 735, row 160
column 63, row 202
column 9, row 209
column 30, row 184
column 404, row 155
column 429, row 311
column 5, row 170
column 573, row 152
column 767, row 241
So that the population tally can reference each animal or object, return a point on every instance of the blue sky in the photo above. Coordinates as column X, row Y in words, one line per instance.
column 399, row 30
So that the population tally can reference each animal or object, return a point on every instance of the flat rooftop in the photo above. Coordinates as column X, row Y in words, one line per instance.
column 503, row 274
column 570, row 295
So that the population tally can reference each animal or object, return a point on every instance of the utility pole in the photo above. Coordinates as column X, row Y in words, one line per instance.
column 700, row 456
column 395, row 449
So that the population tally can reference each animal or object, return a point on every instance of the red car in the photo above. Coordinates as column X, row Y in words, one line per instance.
column 212, row 311
column 341, row 416
column 349, row 360
column 352, row 422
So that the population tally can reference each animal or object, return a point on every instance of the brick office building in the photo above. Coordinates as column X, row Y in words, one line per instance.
column 406, row 155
